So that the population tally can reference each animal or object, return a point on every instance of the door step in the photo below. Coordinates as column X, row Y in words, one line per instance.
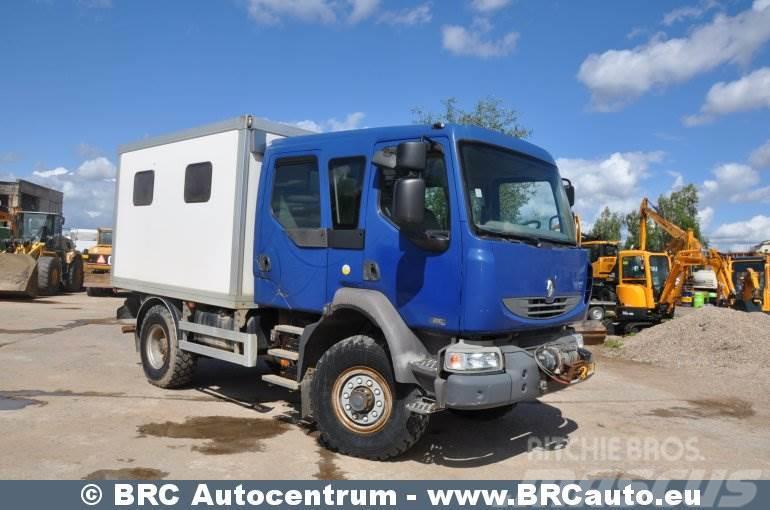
column 284, row 382
column 284, row 354
column 288, row 330
column 423, row 406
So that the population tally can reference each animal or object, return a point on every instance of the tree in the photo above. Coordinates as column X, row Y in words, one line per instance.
column 607, row 226
column 680, row 208
column 489, row 112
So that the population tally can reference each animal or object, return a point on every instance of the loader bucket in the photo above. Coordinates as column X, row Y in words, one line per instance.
column 18, row 275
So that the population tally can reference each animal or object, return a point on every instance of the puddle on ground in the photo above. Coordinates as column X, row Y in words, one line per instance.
column 107, row 321
column 223, row 435
column 327, row 468
column 16, row 394
column 16, row 403
column 138, row 473
column 708, row 408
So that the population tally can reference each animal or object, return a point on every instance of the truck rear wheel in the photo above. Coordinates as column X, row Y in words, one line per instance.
column 359, row 409
column 48, row 275
column 164, row 363
column 74, row 281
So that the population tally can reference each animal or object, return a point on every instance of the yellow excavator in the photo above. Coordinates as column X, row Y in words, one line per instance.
column 35, row 258
column 650, row 284
column 751, row 277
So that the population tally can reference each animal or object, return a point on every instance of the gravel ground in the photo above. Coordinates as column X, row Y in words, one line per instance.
column 710, row 338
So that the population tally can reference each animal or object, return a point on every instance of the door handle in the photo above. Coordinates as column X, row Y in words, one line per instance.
column 263, row 263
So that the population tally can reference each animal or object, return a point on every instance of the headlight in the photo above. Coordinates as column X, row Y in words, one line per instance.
column 462, row 357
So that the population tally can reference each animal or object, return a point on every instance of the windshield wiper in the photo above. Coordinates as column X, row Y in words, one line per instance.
column 517, row 238
column 533, row 240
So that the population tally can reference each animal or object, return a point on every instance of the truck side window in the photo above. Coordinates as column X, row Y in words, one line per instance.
column 436, row 193
column 346, row 177
column 197, row 182
column 144, row 185
column 296, row 200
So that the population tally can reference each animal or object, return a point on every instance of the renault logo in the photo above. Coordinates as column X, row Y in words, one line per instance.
column 549, row 289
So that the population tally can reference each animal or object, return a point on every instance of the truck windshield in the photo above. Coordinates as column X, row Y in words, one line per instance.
column 105, row 237
column 37, row 227
column 511, row 195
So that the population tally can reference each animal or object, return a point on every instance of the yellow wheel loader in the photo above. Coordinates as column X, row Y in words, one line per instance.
column 98, row 264
column 36, row 259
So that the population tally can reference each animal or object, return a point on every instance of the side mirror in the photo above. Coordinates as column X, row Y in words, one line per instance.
column 409, row 201
column 412, row 155
column 569, row 189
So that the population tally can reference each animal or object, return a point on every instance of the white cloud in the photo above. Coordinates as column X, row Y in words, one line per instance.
column 351, row 121
column 274, row 12
column 678, row 180
column 731, row 183
column 271, row 12
column 89, row 191
column 473, row 41
column 617, row 77
column 705, row 216
column 489, row 5
column 98, row 168
column 749, row 232
column 689, row 12
column 750, row 92
column 408, row 16
column 362, row 9
column 760, row 158
column 88, row 151
column 51, row 173
column 614, row 181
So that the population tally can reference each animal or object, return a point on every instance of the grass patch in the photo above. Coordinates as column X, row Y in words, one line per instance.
column 613, row 343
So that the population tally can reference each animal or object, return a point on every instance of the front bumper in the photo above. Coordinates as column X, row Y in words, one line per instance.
column 521, row 380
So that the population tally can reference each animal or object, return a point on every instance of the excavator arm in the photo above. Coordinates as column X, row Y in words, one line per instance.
column 681, row 239
column 686, row 259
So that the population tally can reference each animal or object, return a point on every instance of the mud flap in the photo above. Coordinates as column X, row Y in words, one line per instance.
column 18, row 275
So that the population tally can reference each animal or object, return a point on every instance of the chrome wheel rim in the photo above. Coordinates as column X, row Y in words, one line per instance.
column 362, row 400
column 157, row 346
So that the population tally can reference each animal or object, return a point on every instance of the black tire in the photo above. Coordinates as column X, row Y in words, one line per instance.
column 74, row 280
column 395, row 431
column 494, row 413
column 596, row 313
column 48, row 276
column 164, row 363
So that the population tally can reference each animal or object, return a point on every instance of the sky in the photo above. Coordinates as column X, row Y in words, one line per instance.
column 632, row 98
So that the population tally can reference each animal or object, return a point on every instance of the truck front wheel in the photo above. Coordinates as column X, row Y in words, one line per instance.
column 359, row 409
column 164, row 363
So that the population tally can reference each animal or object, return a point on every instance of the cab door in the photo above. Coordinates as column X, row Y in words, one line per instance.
column 347, row 232
column 291, row 257
column 422, row 282
column 633, row 289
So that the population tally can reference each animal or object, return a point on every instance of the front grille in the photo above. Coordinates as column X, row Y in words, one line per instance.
column 541, row 308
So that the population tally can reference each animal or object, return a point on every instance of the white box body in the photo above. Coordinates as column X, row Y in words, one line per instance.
column 200, row 252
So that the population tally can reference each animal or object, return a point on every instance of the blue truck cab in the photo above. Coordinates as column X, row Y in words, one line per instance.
column 404, row 271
